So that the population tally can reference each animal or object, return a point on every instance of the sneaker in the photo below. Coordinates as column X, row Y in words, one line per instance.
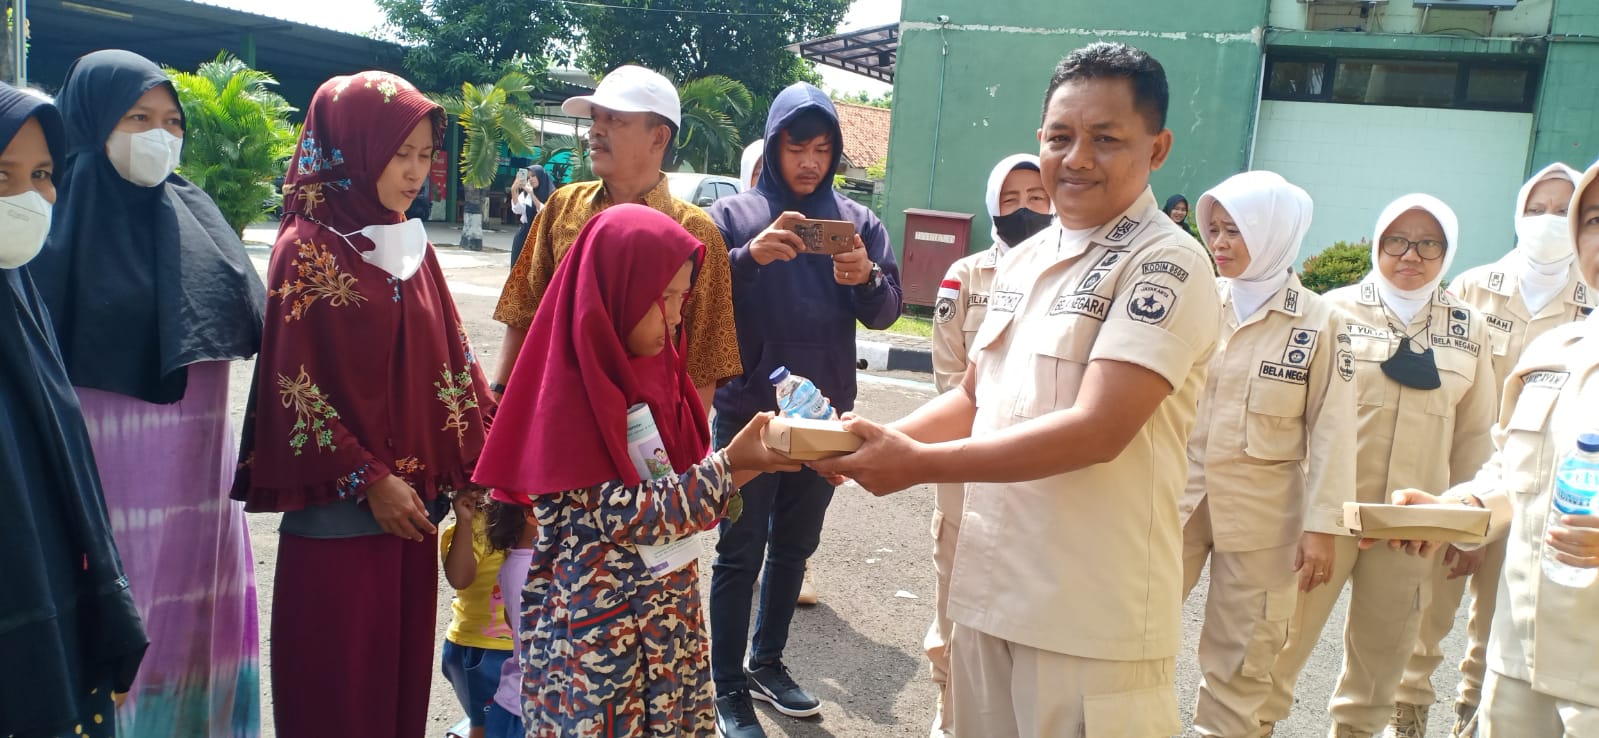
column 1409, row 721
column 735, row 717
column 1465, row 721
column 770, row 682
column 807, row 595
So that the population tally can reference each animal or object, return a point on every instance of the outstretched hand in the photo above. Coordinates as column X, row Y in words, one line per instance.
column 885, row 463
column 1414, row 548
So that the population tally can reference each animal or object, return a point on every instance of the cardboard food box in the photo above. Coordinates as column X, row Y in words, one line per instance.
column 802, row 439
column 1443, row 523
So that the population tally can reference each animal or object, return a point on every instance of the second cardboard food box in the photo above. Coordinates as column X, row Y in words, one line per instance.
column 1445, row 523
column 802, row 439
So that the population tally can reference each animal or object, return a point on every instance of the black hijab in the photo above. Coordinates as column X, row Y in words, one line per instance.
column 141, row 281
column 67, row 619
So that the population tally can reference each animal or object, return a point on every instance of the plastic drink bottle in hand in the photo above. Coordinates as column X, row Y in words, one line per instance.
column 798, row 397
column 1576, row 483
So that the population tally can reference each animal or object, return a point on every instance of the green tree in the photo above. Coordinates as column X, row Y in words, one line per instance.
column 709, row 135
column 689, row 39
column 457, row 41
column 1340, row 265
column 237, row 136
column 491, row 116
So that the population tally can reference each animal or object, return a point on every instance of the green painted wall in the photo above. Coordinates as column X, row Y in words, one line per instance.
column 1001, row 54
column 1568, row 108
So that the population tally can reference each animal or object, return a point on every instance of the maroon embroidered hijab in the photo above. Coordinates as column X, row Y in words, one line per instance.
column 563, row 422
column 361, row 374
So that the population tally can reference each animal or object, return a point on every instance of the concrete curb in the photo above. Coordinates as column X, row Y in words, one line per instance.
column 886, row 357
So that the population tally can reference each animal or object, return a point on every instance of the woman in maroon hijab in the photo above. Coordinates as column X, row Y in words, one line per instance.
column 612, row 629
column 363, row 420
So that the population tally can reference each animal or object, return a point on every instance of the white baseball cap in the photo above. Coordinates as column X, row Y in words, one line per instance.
column 630, row 89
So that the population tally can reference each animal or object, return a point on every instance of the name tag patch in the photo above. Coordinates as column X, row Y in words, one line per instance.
column 1551, row 380
column 1497, row 323
column 1091, row 305
column 1005, row 302
column 1366, row 331
column 1457, row 343
column 976, row 300
column 1166, row 267
column 1282, row 373
column 1150, row 303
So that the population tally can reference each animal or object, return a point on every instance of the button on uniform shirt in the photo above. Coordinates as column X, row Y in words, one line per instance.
column 710, row 334
column 1273, row 449
column 957, row 316
column 1543, row 633
column 1493, row 290
column 1087, row 563
column 1410, row 438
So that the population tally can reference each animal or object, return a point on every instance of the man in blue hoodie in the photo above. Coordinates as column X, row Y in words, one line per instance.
column 796, row 310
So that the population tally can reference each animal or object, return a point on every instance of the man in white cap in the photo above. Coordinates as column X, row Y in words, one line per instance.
column 635, row 114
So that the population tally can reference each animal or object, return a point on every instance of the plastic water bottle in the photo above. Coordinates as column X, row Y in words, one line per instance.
column 798, row 397
column 1576, row 484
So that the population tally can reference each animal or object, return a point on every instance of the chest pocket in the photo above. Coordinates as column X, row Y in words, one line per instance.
column 1457, row 368
column 1371, row 384
column 1500, row 341
column 972, row 321
column 1058, row 357
column 1274, row 421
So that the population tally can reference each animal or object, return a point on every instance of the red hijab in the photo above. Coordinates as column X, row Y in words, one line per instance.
column 563, row 422
column 361, row 375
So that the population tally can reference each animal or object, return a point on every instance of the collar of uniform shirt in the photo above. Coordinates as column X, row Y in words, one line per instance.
column 1072, row 236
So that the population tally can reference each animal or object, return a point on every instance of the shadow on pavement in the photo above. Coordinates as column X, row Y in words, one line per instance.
column 861, row 677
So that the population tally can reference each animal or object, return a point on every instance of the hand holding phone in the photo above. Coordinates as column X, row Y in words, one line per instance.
column 826, row 237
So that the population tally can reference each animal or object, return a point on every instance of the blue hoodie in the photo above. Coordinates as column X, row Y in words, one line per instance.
column 793, row 313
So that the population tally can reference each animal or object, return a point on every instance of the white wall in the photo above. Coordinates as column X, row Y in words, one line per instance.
column 1355, row 159
column 1530, row 17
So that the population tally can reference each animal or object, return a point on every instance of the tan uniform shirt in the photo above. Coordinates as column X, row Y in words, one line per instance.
column 1494, row 291
column 1410, row 438
column 1274, row 445
column 1543, row 633
column 1087, row 563
column 957, row 317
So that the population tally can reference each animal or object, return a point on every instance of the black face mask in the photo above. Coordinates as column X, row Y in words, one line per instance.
column 1413, row 369
column 1020, row 225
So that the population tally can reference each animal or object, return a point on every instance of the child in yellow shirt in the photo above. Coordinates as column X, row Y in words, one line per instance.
column 479, row 640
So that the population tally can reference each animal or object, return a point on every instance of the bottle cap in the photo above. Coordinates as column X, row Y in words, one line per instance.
column 1588, row 442
column 781, row 373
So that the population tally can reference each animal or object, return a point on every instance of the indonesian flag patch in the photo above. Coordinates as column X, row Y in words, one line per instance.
column 948, row 292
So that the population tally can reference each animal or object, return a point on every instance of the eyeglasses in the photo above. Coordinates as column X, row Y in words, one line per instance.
column 1426, row 248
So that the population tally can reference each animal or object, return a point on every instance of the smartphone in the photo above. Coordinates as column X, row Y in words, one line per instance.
column 827, row 237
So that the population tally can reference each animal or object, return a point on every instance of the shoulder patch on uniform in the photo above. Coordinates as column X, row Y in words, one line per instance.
column 1345, row 358
column 1291, row 300
column 1150, row 302
column 1121, row 230
column 1166, row 267
column 1005, row 302
column 1496, row 280
column 944, row 309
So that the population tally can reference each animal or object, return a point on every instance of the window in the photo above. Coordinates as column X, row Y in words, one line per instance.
column 723, row 189
column 1505, row 86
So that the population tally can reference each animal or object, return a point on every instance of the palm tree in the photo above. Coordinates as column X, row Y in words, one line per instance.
column 491, row 116
column 710, row 106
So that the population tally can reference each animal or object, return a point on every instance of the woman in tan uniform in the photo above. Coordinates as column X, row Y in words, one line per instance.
column 1275, row 434
column 1542, row 657
column 1425, row 400
column 1529, row 291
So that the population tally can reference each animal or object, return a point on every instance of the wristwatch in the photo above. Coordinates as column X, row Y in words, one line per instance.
column 497, row 388
column 874, row 281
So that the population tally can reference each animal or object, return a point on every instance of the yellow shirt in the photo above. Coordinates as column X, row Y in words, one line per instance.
column 709, row 331
column 479, row 610
column 1543, row 633
column 1494, row 291
column 1274, row 446
column 1087, row 563
column 1410, row 438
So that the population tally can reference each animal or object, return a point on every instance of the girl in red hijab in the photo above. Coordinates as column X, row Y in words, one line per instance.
column 364, row 418
column 612, row 631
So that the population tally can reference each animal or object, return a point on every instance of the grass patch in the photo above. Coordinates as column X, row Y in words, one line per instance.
column 911, row 325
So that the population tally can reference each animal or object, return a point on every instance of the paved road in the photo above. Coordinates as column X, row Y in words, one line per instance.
column 860, row 650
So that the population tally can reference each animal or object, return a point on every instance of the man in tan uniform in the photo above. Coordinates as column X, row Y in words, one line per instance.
column 1070, row 425
column 1425, row 399
column 1271, row 459
column 1529, row 291
column 1541, row 659
column 1019, row 206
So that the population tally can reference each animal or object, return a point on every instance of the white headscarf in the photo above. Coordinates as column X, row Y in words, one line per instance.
column 996, row 182
column 746, row 165
column 1273, row 217
column 1587, row 180
column 1407, row 303
column 1541, row 241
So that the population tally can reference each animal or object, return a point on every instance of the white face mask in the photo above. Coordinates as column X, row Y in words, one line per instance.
column 1545, row 239
column 24, row 224
column 147, row 158
column 398, row 248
